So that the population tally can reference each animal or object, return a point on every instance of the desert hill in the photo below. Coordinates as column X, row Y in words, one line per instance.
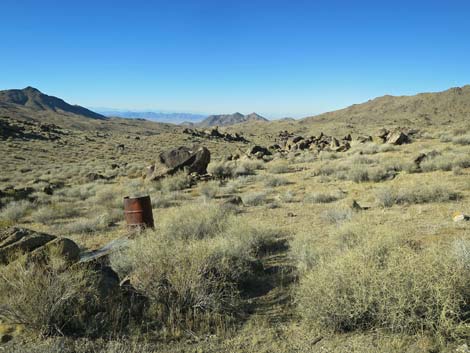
column 37, row 101
column 230, row 119
column 425, row 109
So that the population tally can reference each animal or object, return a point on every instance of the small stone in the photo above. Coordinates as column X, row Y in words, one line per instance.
column 459, row 217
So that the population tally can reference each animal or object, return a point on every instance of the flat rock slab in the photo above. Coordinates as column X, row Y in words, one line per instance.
column 109, row 248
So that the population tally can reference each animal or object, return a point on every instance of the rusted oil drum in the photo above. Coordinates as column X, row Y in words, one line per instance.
column 138, row 211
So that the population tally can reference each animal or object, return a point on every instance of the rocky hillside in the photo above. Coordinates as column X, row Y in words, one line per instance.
column 425, row 109
column 36, row 101
column 230, row 119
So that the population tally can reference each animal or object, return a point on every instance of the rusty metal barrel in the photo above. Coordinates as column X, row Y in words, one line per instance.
column 138, row 212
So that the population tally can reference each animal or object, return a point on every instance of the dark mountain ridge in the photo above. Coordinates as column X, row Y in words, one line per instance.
column 37, row 101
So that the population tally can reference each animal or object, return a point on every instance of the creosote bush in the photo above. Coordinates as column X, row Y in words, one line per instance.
column 385, row 284
column 49, row 299
column 387, row 197
column 15, row 210
column 194, row 273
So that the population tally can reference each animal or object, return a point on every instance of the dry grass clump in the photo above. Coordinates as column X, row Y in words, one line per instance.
column 323, row 197
column 273, row 181
column 51, row 212
column 385, row 284
column 194, row 221
column 15, row 210
column 255, row 198
column 462, row 140
column 337, row 216
column 418, row 194
column 210, row 189
column 88, row 225
column 279, row 167
column 176, row 182
column 221, row 170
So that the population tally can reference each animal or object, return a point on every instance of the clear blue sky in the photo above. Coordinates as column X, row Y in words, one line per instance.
column 278, row 58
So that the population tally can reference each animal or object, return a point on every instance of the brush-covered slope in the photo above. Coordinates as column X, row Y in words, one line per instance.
column 426, row 109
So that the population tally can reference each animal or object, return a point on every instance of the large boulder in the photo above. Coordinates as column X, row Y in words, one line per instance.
column 397, row 138
column 178, row 159
column 258, row 151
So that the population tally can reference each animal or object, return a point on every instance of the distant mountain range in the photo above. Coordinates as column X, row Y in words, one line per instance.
column 188, row 119
column 175, row 118
column 33, row 99
column 230, row 119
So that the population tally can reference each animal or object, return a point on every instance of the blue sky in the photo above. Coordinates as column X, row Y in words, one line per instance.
column 278, row 58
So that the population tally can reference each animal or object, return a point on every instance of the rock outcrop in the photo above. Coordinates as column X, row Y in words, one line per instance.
column 215, row 133
column 289, row 142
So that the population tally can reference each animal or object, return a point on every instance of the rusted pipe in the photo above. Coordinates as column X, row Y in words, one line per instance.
column 138, row 212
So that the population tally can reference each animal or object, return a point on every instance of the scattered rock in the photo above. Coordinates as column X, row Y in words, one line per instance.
column 233, row 200
column 14, row 241
column 258, row 151
column 94, row 176
column 459, row 217
column 214, row 133
column 286, row 142
column 63, row 247
column 355, row 206
column 364, row 139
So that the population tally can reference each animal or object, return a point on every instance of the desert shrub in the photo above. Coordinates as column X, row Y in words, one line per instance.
column 279, row 167
column 275, row 181
column 387, row 148
column 210, row 189
column 87, row 225
column 439, row 162
column 358, row 174
column 385, row 285
column 322, row 197
column 176, row 182
column 247, row 167
column 287, row 197
column 160, row 200
column 337, row 215
column 193, row 282
column 254, row 198
column 50, row 300
column 221, row 170
column 418, row 194
column 305, row 255
column 51, row 212
column 381, row 173
column 326, row 155
column 368, row 148
column 359, row 159
column 445, row 138
column 15, row 210
column 462, row 140
column 194, row 221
